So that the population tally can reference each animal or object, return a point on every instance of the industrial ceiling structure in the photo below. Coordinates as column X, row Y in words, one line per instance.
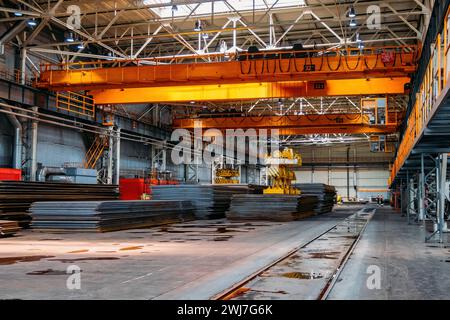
column 178, row 37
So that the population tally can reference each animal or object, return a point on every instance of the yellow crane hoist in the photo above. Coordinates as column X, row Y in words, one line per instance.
column 280, row 176
column 227, row 176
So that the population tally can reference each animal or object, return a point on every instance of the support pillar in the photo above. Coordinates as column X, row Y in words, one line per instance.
column 411, row 210
column 110, row 157
column 435, row 181
column 23, row 66
column 441, row 223
column 422, row 189
column 117, row 158
column 34, row 142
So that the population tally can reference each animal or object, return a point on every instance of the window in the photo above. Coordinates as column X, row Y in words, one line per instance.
column 219, row 7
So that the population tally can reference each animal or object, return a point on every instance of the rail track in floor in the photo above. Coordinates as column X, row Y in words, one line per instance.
column 308, row 272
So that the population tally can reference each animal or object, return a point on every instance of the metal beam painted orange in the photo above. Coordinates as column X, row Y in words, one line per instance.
column 293, row 125
column 353, row 129
column 290, row 121
column 350, row 129
column 250, row 91
column 119, row 74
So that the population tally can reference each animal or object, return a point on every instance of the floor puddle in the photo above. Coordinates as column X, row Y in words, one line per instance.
column 49, row 272
column 131, row 248
column 13, row 260
column 84, row 259
column 302, row 275
column 79, row 251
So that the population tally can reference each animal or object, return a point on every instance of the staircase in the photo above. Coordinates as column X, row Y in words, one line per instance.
column 95, row 151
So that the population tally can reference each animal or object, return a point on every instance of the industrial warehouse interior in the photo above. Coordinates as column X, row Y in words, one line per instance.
column 234, row 150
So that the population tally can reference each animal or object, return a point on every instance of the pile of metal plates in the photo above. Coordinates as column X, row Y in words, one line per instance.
column 103, row 216
column 325, row 194
column 8, row 228
column 17, row 196
column 210, row 201
column 272, row 207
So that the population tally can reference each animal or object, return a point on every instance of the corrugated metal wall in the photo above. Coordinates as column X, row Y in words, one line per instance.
column 57, row 145
column 250, row 175
column 368, row 172
column 134, row 156
column 363, row 182
column 359, row 153
column 7, row 60
column 6, row 142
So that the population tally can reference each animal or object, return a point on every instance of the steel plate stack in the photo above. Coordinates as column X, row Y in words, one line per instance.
column 325, row 195
column 8, row 228
column 102, row 216
column 17, row 196
column 271, row 207
column 210, row 201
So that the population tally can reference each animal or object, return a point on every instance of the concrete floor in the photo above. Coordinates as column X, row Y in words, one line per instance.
column 409, row 267
column 192, row 260
column 196, row 260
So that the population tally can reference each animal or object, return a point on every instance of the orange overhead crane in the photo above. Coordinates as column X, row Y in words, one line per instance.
column 242, row 76
column 352, row 123
column 251, row 91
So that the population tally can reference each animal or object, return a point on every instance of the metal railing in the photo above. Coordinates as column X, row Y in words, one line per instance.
column 75, row 103
column 16, row 76
column 435, row 79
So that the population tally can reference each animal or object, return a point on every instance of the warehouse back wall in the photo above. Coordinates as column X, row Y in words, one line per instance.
column 353, row 169
column 363, row 183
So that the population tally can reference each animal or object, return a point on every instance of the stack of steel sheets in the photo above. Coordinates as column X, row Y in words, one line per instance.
column 17, row 196
column 210, row 201
column 272, row 207
column 325, row 194
column 8, row 228
column 105, row 216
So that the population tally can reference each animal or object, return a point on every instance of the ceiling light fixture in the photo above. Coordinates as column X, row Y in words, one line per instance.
column 351, row 12
column 69, row 37
column 352, row 23
column 198, row 26
column 18, row 13
column 32, row 22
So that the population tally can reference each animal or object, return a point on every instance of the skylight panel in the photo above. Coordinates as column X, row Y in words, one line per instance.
column 219, row 7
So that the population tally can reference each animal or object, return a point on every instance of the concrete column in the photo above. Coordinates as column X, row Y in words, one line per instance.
column 117, row 158
column 110, row 157
column 34, row 142
column 23, row 66
column 240, row 173
column 164, row 159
